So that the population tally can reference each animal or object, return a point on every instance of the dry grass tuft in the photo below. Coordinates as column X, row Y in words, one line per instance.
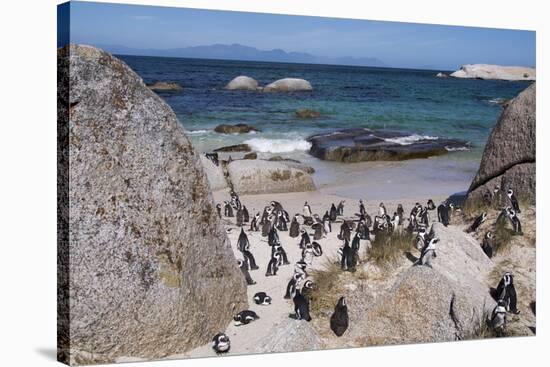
column 498, row 270
column 328, row 287
column 386, row 250
column 503, row 238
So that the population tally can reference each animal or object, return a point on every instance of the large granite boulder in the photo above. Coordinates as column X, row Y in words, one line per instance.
column 510, row 154
column 486, row 71
column 290, row 336
column 242, row 83
column 444, row 303
column 216, row 178
column 264, row 177
column 288, row 85
column 360, row 144
column 149, row 269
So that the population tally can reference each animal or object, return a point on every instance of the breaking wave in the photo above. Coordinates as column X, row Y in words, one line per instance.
column 264, row 145
column 407, row 140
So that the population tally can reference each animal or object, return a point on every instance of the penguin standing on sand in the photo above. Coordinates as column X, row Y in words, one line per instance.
column 301, row 306
column 428, row 253
column 340, row 208
column 345, row 232
column 319, row 230
column 443, row 214
column 305, row 239
column 219, row 209
column 327, row 225
column 240, row 217
column 362, row 211
column 245, row 317
column 265, row 215
column 294, row 227
column 401, row 213
column 317, row 249
column 244, row 247
column 243, row 265
column 498, row 317
column 307, row 254
column 513, row 200
column 254, row 227
column 477, row 222
column 281, row 222
column 339, row 320
column 363, row 230
column 306, row 211
column 228, row 210
column 516, row 224
column 347, row 260
column 382, row 210
column 278, row 248
column 221, row 343
column 300, row 268
column 273, row 237
column 487, row 244
column 431, row 205
column 235, row 201
column 267, row 226
column 261, row 298
column 273, row 265
column 506, row 291
column 333, row 213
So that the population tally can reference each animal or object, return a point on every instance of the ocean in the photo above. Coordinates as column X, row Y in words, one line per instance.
column 413, row 101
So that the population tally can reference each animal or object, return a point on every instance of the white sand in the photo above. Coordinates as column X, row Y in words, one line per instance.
column 244, row 339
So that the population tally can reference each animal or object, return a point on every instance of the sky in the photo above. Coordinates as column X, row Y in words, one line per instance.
column 397, row 44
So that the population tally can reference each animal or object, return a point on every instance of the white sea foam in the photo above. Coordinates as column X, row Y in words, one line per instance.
column 198, row 132
column 410, row 139
column 457, row 149
column 264, row 145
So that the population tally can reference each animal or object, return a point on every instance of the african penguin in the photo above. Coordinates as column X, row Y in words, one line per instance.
column 305, row 239
column 347, row 261
column 363, row 230
column 487, row 244
column 293, row 284
column 430, row 204
column 362, row 210
column 443, row 214
column 294, row 227
column 254, row 227
column 498, row 317
column 307, row 254
column 246, row 215
column 513, row 200
column 339, row 320
column 221, row 343
column 477, row 222
column 317, row 249
column 261, row 298
column 345, row 232
column 428, row 253
column 306, row 210
column 333, row 213
column 301, row 307
column 245, row 317
column 213, row 157
column 300, row 268
column 516, row 224
column 243, row 265
column 228, row 210
column 319, row 230
column 340, row 208
column 506, row 291
column 219, row 209
column 240, row 217
column 381, row 210
column 273, row 265
column 401, row 213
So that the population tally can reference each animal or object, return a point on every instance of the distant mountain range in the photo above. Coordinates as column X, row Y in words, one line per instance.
column 245, row 53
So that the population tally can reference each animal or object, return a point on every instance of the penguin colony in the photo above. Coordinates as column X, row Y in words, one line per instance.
column 308, row 229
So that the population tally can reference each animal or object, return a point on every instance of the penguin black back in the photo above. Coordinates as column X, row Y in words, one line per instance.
column 339, row 321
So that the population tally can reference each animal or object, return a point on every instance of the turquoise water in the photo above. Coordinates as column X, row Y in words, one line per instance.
column 413, row 101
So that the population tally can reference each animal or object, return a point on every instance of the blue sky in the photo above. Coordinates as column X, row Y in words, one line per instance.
column 396, row 44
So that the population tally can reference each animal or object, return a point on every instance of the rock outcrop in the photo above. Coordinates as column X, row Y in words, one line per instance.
column 441, row 75
column 242, row 83
column 235, row 129
column 290, row 336
column 444, row 303
column 235, row 148
column 165, row 87
column 288, row 85
column 509, row 159
column 356, row 145
column 498, row 72
column 262, row 177
column 216, row 178
column 305, row 113
column 148, row 256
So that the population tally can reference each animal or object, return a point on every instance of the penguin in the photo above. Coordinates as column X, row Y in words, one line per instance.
column 244, row 247
column 293, row 284
column 497, row 195
column 219, row 209
column 362, row 210
column 345, row 232
column 355, row 246
column 276, row 206
column 443, row 214
column 401, row 213
column 363, row 230
column 326, row 216
column 516, row 224
column 221, row 343
column 245, row 317
column 235, row 201
column 306, row 210
column 300, row 268
column 284, row 257
column 240, row 217
column 381, row 210
column 281, row 222
column 498, row 317
column 327, row 225
column 506, row 291
column 421, row 239
column 261, row 298
column 246, row 215
column 307, row 288
column 347, row 260
column 317, row 249
column 213, row 157
column 430, row 204
column 307, row 254
column 301, row 307
column 228, row 210
column 294, row 227
column 339, row 320
column 340, row 208
column 477, row 222
column 266, row 227
column 265, row 215
column 305, row 239
column 319, row 230
column 487, row 244
column 243, row 265
column 254, row 227
column 513, row 200
column 273, row 265
column 333, row 213
column 428, row 252
column 395, row 221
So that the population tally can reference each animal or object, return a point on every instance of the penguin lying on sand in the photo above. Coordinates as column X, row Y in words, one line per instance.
column 245, row 317
column 221, row 343
column 261, row 298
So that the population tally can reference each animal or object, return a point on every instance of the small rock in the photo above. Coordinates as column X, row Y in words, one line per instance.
column 305, row 113
column 165, row 87
column 441, row 75
column 252, row 155
column 235, row 148
column 235, row 129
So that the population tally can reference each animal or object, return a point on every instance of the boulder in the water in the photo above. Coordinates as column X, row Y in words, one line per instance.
column 242, row 83
column 305, row 113
column 358, row 144
column 165, row 87
column 288, row 85
column 235, row 129
column 235, row 148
